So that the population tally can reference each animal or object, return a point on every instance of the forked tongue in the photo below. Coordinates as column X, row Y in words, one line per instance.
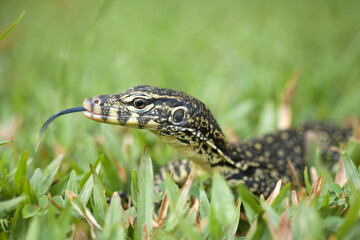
column 52, row 118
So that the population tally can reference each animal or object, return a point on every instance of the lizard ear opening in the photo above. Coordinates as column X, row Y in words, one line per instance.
column 178, row 115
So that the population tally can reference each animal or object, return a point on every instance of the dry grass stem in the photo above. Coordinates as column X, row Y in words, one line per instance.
column 287, row 204
column 302, row 194
column 195, row 208
column 163, row 210
column 145, row 235
column 314, row 175
column 293, row 174
column 294, row 197
column 85, row 213
column 316, row 190
column 275, row 192
column 340, row 177
column 189, row 181
column 285, row 113
column 283, row 232
column 130, row 218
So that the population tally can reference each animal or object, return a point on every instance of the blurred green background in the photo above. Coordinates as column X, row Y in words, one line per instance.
column 235, row 56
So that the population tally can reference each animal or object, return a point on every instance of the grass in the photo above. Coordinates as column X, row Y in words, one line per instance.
column 236, row 56
column 76, row 206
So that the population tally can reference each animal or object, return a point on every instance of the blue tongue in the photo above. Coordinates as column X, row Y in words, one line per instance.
column 46, row 124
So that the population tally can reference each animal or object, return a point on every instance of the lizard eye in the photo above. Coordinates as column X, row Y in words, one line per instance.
column 140, row 103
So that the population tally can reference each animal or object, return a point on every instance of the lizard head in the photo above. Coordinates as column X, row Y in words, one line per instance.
column 177, row 118
column 163, row 111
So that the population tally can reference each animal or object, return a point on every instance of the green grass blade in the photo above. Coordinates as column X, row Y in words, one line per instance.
column 173, row 194
column 145, row 202
column 134, row 187
column 20, row 174
column 18, row 225
column 71, row 186
column 87, row 189
column 2, row 181
column 332, row 223
column 179, row 205
column 230, row 234
column 258, row 230
column 114, row 225
column 111, row 175
column 49, row 174
column 72, row 183
column 204, row 208
column 325, row 206
column 251, row 205
column 99, row 197
column 58, row 186
column 215, row 227
column 172, row 191
column 58, row 225
column 351, row 171
column 183, row 196
column 307, row 223
column 306, row 180
column 29, row 193
column 11, row 174
column 189, row 231
column 35, row 182
column 271, row 213
column 88, row 174
column 222, row 208
column 5, row 142
column 34, row 229
column 9, row 204
column 163, row 235
column 3, row 161
column 279, row 202
column 12, row 26
column 222, row 201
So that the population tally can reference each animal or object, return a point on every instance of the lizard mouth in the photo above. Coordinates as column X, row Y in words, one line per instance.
column 102, row 118
column 93, row 111
column 116, row 114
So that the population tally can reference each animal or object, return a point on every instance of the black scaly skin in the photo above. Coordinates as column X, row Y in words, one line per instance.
column 269, row 155
column 188, row 125
column 258, row 163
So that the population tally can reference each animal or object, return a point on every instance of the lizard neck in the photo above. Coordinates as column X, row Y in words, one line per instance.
column 206, row 146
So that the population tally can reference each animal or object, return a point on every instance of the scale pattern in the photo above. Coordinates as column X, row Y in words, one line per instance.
column 188, row 126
